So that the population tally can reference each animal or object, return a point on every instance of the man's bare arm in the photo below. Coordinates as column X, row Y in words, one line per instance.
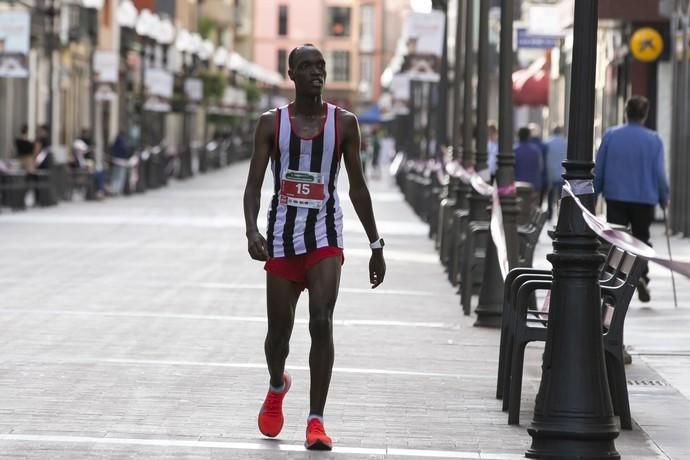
column 359, row 193
column 263, row 144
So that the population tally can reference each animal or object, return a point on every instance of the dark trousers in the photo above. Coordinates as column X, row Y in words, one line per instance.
column 637, row 215
column 554, row 196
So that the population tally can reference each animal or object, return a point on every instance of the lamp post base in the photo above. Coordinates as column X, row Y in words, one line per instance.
column 550, row 443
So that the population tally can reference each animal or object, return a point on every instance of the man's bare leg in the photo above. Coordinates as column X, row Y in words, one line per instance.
column 282, row 296
column 323, row 280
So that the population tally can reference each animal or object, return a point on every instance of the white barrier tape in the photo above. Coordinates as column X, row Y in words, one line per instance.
column 455, row 169
column 498, row 234
column 620, row 238
column 579, row 187
column 497, row 231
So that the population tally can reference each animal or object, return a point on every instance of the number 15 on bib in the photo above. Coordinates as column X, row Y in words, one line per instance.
column 302, row 189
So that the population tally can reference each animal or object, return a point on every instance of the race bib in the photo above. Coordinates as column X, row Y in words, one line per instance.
column 302, row 189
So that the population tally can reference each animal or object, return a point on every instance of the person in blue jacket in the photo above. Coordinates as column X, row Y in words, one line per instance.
column 629, row 173
column 529, row 162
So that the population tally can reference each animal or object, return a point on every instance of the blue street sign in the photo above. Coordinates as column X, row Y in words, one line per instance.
column 527, row 40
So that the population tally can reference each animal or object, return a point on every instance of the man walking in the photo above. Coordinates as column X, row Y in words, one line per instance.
column 629, row 173
column 556, row 151
column 528, row 161
column 305, row 141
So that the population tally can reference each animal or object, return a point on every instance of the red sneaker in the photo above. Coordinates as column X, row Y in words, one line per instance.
column 317, row 439
column 271, row 413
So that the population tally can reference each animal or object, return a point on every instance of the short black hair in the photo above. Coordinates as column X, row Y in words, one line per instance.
column 636, row 108
column 558, row 130
column 523, row 134
column 291, row 56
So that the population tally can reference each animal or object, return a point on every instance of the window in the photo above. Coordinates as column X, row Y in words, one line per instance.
column 366, row 75
column 339, row 66
column 366, row 29
column 282, row 63
column 282, row 20
column 338, row 21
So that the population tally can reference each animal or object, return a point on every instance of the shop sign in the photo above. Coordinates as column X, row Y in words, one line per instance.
column 646, row 44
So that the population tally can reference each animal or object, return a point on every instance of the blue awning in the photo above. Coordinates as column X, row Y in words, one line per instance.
column 371, row 116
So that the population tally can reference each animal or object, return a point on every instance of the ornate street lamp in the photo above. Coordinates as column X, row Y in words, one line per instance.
column 206, row 50
column 127, row 15
column 220, row 57
column 490, row 305
column 166, row 37
column 573, row 415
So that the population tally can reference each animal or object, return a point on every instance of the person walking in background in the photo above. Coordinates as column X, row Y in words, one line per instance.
column 492, row 148
column 376, row 155
column 556, row 151
column 629, row 172
column 24, row 149
column 535, row 139
column 120, row 159
column 528, row 161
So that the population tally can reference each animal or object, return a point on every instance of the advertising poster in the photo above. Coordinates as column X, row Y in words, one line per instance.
column 423, row 34
column 15, row 33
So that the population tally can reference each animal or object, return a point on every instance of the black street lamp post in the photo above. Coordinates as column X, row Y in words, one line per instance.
column 479, row 203
column 462, row 202
column 450, row 203
column 51, row 11
column 491, row 295
column 573, row 416
column 441, row 110
column 468, row 89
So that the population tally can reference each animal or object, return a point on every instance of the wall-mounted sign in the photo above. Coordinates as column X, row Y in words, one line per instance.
column 158, row 84
column 525, row 39
column 646, row 44
column 15, row 32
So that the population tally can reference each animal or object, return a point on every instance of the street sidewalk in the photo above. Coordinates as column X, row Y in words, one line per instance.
column 135, row 328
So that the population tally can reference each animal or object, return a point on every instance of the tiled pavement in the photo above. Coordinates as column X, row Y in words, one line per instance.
column 134, row 328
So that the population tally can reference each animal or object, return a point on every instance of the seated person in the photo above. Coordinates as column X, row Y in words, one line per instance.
column 82, row 158
column 24, row 149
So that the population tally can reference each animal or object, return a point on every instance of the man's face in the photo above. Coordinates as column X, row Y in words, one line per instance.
column 308, row 72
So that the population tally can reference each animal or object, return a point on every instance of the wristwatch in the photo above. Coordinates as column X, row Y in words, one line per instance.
column 378, row 244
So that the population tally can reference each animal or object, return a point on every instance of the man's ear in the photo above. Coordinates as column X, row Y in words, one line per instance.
column 290, row 75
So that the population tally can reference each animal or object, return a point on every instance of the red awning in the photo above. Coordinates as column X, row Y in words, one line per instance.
column 531, row 85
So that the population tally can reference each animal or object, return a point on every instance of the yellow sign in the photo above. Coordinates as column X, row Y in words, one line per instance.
column 646, row 44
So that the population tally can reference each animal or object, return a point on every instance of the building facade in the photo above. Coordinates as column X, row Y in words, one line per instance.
column 351, row 33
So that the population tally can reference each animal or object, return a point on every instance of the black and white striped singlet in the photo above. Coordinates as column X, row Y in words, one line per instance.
column 296, row 230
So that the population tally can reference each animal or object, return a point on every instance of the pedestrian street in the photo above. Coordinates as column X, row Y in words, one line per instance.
column 134, row 329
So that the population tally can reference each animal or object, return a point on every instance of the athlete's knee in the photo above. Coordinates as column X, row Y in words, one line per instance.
column 321, row 326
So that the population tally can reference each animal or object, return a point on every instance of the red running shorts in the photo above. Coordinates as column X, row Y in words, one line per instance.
column 295, row 268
